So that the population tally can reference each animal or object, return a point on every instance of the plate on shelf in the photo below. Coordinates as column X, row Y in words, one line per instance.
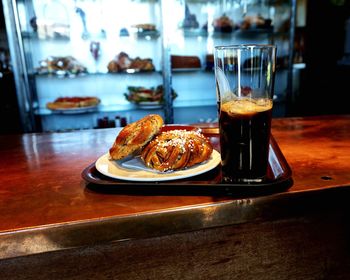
column 136, row 70
column 149, row 105
column 78, row 110
column 74, row 104
column 60, row 74
column 117, row 170
column 148, row 34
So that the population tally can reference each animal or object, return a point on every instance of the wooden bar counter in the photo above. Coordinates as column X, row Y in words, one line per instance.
column 54, row 226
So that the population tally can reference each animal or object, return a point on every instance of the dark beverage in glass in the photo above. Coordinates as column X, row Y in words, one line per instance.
column 244, row 76
column 244, row 139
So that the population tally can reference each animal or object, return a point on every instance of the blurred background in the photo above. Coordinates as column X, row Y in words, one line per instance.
column 157, row 57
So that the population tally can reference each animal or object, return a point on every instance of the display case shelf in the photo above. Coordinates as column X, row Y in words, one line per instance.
column 155, row 30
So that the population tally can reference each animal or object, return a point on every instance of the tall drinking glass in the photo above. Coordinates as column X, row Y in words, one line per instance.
column 244, row 77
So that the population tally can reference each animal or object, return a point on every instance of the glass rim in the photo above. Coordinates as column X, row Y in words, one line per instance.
column 245, row 46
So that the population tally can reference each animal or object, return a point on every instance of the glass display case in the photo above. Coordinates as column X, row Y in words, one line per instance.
column 100, row 63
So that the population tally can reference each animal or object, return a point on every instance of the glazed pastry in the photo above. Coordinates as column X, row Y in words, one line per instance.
column 176, row 149
column 120, row 63
column 255, row 21
column 135, row 135
column 123, row 62
column 223, row 24
column 142, row 64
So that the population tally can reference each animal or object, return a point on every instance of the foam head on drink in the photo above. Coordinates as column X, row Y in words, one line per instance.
column 245, row 126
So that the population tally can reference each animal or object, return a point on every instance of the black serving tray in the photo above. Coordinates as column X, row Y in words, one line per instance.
column 279, row 178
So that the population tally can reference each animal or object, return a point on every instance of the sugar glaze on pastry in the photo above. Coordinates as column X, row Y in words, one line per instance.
column 176, row 149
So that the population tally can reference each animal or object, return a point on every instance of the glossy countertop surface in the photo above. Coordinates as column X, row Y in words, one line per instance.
column 43, row 197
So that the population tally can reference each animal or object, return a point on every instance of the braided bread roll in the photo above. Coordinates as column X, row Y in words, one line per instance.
column 135, row 135
column 176, row 149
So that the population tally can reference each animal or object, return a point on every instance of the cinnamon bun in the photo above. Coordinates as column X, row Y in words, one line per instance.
column 176, row 149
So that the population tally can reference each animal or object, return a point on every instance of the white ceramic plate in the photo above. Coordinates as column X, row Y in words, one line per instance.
column 114, row 169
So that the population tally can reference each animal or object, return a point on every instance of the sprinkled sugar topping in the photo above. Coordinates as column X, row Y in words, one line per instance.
column 176, row 149
column 178, row 138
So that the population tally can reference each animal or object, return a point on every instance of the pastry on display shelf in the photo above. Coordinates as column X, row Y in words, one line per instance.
column 73, row 102
column 61, row 65
column 255, row 22
column 145, row 30
column 122, row 63
column 144, row 27
column 185, row 62
column 142, row 64
column 223, row 24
